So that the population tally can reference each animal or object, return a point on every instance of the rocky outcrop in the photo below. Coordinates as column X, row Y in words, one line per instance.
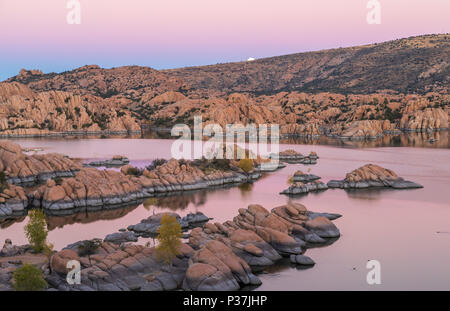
column 121, row 237
column 116, row 161
column 25, row 113
column 149, row 226
column 12, row 257
column 217, row 257
column 299, row 176
column 90, row 188
column 258, row 233
column 102, row 189
column 292, row 156
column 13, row 201
column 121, row 268
column 9, row 249
column 20, row 168
column 427, row 120
column 312, row 129
column 301, row 188
column 372, row 176
column 214, row 267
column 367, row 129
column 304, row 183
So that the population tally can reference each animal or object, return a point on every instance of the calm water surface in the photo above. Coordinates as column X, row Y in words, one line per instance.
column 408, row 231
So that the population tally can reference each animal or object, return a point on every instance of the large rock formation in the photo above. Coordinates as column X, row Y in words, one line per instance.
column 430, row 119
column 367, row 129
column 98, row 189
column 20, row 168
column 26, row 113
column 371, row 175
column 217, row 257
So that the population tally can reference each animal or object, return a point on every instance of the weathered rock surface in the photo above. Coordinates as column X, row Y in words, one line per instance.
column 26, row 113
column 122, row 268
column 217, row 257
column 13, row 201
column 366, row 129
column 428, row 120
column 97, row 189
column 24, row 169
column 371, row 175
column 214, row 267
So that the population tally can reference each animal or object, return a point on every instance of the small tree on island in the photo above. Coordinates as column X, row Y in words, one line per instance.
column 89, row 247
column 28, row 278
column 36, row 231
column 246, row 165
column 169, row 238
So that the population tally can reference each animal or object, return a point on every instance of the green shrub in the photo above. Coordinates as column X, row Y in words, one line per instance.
column 134, row 171
column 29, row 278
column 36, row 230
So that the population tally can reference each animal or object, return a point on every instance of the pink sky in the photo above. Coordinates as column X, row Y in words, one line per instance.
column 174, row 33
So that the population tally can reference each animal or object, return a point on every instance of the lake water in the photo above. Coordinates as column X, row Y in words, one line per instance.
column 407, row 231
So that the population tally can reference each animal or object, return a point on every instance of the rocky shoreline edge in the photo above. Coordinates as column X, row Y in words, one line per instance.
column 217, row 256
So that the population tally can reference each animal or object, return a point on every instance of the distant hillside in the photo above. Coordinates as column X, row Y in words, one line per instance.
column 416, row 64
column 412, row 65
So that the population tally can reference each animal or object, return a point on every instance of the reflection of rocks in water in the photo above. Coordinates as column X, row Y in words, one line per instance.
column 181, row 202
column 369, row 194
column 7, row 222
column 426, row 139
column 434, row 139
column 85, row 217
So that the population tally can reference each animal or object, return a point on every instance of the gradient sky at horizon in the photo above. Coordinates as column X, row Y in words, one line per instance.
column 177, row 33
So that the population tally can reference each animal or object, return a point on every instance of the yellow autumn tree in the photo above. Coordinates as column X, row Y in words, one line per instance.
column 169, row 238
column 246, row 165
column 36, row 230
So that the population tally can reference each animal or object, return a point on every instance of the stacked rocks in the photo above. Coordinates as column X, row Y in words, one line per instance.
column 304, row 183
column 372, row 176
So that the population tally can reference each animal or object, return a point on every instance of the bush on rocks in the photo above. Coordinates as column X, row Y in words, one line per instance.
column 156, row 163
column 29, row 278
